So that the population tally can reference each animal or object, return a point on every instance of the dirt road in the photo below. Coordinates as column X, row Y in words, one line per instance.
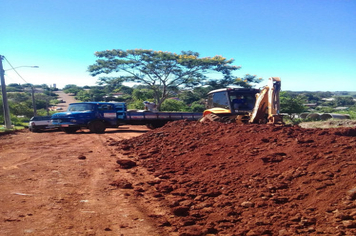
column 53, row 183
column 65, row 97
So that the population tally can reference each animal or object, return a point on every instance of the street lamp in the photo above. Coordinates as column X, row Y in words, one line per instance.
column 21, row 66
column 4, row 94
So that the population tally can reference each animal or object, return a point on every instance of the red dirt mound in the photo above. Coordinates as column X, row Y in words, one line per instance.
column 251, row 179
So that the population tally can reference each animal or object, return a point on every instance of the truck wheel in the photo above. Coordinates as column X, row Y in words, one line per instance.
column 70, row 130
column 155, row 125
column 33, row 130
column 149, row 126
column 97, row 127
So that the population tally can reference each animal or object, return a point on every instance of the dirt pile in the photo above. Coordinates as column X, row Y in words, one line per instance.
column 250, row 179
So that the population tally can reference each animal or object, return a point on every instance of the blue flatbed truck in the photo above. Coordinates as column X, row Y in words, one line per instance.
column 97, row 116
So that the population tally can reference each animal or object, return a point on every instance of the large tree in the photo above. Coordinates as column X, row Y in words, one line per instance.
column 162, row 72
column 292, row 104
column 247, row 81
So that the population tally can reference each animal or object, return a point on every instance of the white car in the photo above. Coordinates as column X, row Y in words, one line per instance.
column 38, row 123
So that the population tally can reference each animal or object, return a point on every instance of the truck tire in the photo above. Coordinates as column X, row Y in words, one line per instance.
column 70, row 130
column 34, row 130
column 97, row 127
column 155, row 125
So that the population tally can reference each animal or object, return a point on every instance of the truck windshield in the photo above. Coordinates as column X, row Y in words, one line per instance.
column 80, row 107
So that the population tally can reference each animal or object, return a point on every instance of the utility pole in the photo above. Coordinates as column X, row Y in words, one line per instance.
column 33, row 100
column 4, row 97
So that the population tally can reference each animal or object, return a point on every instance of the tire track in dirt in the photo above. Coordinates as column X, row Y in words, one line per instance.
column 61, row 187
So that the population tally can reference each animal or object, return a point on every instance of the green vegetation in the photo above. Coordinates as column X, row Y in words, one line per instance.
column 190, row 100
column 165, row 73
column 21, row 106
column 294, row 103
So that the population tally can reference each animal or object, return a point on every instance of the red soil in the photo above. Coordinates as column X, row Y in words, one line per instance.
column 230, row 179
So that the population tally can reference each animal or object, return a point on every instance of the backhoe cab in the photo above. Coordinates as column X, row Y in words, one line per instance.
column 245, row 105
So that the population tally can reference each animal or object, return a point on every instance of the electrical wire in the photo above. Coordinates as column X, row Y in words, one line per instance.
column 15, row 70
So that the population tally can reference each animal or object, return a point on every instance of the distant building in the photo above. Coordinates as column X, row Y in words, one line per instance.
column 341, row 108
column 328, row 99
column 311, row 105
column 117, row 95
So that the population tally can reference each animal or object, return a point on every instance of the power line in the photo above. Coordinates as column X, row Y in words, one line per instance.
column 12, row 80
column 32, row 88
column 13, row 68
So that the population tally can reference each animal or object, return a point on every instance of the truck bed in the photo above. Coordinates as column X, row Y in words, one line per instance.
column 135, row 117
column 130, row 115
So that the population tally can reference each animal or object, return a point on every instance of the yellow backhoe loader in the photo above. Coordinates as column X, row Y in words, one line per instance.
column 245, row 105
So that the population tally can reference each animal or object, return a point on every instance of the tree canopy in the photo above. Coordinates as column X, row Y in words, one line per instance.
column 71, row 88
column 162, row 72
column 291, row 104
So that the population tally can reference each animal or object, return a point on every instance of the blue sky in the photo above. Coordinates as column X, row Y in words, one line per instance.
column 310, row 44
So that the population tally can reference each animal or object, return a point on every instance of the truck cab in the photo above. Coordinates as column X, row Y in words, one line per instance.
column 96, row 116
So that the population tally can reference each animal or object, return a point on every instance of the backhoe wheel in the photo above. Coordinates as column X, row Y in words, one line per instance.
column 210, row 117
column 97, row 127
column 228, row 119
column 242, row 119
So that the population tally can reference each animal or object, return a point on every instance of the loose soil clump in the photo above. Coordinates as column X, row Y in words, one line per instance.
column 230, row 179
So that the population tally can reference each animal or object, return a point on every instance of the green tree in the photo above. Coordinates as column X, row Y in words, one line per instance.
column 14, row 88
column 42, row 100
column 72, row 88
column 97, row 93
column 291, row 105
column 18, row 97
column 162, row 72
column 83, row 96
column 110, row 83
column 311, row 97
column 173, row 105
column 189, row 96
column 125, row 89
column 344, row 101
column 324, row 109
column 247, row 81
column 197, row 107
column 195, row 98
column 142, row 94
column 20, row 109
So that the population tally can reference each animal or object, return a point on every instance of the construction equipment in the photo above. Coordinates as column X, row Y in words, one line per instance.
column 245, row 105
